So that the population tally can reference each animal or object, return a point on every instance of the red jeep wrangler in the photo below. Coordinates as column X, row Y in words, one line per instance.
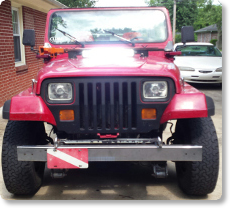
column 109, row 87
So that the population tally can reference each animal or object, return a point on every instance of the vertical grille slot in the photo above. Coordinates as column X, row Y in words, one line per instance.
column 116, row 105
column 99, row 107
column 90, row 105
column 81, row 106
column 103, row 105
column 94, row 106
column 112, row 118
column 120, row 106
column 125, row 104
column 107, row 106
column 86, row 114
column 134, row 104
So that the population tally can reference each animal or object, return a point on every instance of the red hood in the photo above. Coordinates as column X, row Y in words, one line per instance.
column 132, row 66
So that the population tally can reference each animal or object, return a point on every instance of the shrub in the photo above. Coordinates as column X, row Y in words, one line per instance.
column 213, row 41
column 178, row 38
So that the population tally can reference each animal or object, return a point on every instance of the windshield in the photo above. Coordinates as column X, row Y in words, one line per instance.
column 198, row 50
column 90, row 26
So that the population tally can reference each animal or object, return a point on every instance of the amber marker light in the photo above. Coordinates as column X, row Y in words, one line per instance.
column 149, row 113
column 66, row 115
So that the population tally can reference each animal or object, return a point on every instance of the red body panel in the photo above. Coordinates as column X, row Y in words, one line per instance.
column 29, row 107
column 189, row 104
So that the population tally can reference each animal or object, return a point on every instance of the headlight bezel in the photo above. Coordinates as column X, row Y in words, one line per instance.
column 155, row 83
column 218, row 69
column 59, row 101
column 186, row 69
column 169, row 83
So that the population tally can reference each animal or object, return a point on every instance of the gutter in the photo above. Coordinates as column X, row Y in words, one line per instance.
column 204, row 31
column 56, row 3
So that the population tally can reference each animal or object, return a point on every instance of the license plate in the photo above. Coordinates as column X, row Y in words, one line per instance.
column 67, row 158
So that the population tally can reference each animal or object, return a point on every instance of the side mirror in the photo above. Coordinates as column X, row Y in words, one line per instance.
column 187, row 34
column 29, row 38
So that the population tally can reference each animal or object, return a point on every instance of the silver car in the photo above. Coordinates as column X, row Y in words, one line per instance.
column 199, row 62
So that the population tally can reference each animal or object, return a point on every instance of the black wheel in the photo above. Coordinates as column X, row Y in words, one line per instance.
column 22, row 177
column 198, row 178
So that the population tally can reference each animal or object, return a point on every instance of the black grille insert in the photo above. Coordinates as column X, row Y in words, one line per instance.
column 107, row 105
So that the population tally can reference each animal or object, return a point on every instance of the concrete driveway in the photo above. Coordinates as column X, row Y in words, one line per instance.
column 123, row 180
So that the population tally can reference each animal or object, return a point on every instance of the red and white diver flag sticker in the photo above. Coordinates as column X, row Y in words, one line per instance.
column 67, row 158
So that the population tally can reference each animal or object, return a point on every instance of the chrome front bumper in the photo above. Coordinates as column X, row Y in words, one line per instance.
column 119, row 152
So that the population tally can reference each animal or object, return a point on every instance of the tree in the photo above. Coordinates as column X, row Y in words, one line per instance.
column 197, row 13
column 209, row 14
column 186, row 11
column 78, row 3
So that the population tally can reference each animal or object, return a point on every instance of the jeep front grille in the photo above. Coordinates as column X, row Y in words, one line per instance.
column 108, row 105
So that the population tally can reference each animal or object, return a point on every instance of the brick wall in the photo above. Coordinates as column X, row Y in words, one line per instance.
column 16, row 79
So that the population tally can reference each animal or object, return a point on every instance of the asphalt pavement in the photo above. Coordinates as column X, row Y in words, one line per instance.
column 121, row 180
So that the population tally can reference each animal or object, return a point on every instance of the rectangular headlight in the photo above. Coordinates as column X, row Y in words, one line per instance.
column 219, row 69
column 155, row 89
column 60, row 91
column 183, row 68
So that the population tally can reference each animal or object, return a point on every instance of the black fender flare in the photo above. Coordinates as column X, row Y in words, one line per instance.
column 210, row 106
column 6, row 110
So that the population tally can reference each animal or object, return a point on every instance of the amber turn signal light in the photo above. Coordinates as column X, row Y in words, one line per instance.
column 66, row 115
column 149, row 113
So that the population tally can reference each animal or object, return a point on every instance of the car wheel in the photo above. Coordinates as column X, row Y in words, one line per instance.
column 22, row 177
column 198, row 177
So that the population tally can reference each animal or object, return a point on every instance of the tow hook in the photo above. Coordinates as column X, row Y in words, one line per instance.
column 56, row 143
column 159, row 142
column 106, row 136
column 160, row 170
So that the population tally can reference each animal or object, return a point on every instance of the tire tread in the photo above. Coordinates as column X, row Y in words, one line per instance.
column 20, row 176
column 202, row 175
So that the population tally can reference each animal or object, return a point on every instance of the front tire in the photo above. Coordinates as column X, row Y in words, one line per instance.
column 22, row 177
column 198, row 177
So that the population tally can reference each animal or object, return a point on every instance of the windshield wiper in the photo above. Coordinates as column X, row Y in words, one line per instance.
column 118, row 36
column 71, row 37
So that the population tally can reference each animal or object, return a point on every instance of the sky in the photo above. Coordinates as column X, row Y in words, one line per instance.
column 117, row 3
column 217, row 2
column 125, row 3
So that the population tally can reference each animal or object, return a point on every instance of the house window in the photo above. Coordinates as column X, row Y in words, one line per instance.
column 16, row 34
column 19, row 49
